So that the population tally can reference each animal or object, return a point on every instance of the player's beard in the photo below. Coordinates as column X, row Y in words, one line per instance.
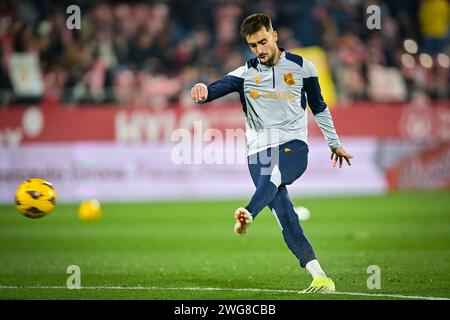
column 271, row 58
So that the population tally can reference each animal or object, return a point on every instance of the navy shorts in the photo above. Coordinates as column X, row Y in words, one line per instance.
column 290, row 158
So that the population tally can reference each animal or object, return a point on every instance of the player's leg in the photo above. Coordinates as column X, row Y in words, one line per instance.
column 266, row 175
column 266, row 189
column 256, row 166
column 284, row 211
column 293, row 162
column 259, row 165
column 290, row 165
column 288, row 221
column 287, row 163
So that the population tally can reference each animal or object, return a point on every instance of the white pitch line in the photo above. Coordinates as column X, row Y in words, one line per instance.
column 227, row 289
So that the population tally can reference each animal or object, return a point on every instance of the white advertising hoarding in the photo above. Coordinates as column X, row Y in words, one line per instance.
column 116, row 172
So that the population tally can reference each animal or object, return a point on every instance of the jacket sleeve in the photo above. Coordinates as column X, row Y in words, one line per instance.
column 232, row 82
column 318, row 106
column 223, row 87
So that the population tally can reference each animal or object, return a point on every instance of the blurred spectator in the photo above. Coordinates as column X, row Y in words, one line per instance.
column 434, row 23
column 150, row 53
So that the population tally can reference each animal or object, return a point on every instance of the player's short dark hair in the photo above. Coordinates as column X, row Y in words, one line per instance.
column 254, row 22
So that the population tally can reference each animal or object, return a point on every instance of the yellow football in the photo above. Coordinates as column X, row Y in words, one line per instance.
column 90, row 210
column 35, row 198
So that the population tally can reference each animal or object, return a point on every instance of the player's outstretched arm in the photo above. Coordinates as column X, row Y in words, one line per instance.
column 338, row 154
column 232, row 82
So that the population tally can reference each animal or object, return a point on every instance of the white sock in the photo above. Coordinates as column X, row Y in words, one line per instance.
column 315, row 269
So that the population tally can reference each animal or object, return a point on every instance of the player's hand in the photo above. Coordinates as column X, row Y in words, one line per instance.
column 338, row 154
column 199, row 93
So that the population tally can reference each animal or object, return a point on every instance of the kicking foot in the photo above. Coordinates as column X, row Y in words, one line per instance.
column 243, row 220
column 320, row 284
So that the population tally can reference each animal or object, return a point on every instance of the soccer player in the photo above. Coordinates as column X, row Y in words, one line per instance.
column 274, row 87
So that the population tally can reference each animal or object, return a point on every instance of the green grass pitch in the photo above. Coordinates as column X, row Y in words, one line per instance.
column 182, row 245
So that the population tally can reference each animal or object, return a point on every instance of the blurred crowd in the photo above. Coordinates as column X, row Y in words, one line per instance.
column 150, row 53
